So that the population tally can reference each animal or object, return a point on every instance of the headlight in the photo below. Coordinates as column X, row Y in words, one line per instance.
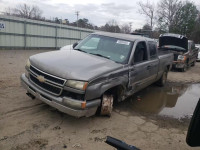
column 26, row 73
column 80, row 85
column 181, row 57
column 28, row 64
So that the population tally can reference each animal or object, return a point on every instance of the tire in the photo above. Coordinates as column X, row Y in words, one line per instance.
column 184, row 69
column 162, row 81
column 106, row 105
column 193, row 64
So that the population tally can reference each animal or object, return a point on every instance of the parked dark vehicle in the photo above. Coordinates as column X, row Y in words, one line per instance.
column 103, row 68
column 185, row 52
column 193, row 134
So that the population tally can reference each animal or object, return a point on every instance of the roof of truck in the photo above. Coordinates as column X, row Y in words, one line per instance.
column 124, row 36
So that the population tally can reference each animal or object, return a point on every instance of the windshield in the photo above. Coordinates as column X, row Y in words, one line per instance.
column 114, row 49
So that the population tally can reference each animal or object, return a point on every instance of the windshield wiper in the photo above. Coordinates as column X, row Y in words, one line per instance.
column 80, row 50
column 100, row 55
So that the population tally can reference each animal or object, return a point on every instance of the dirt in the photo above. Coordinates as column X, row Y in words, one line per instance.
column 192, row 75
column 31, row 124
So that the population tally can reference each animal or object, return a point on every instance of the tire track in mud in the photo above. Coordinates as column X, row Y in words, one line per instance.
column 20, row 110
column 36, row 143
column 14, row 136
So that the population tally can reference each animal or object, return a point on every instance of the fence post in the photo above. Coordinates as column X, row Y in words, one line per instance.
column 25, row 24
column 56, row 36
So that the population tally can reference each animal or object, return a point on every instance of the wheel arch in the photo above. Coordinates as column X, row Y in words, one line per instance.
column 117, row 92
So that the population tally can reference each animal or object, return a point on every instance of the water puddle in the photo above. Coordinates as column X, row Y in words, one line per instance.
column 177, row 101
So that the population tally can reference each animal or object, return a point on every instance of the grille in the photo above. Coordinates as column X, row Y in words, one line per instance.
column 47, row 76
column 52, row 84
column 54, row 90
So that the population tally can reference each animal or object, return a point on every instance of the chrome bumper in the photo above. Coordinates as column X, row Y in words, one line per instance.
column 64, row 104
column 178, row 65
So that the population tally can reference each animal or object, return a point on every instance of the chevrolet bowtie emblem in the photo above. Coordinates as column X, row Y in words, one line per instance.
column 41, row 78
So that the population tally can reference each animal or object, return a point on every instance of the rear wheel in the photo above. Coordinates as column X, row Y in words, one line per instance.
column 162, row 81
column 106, row 105
column 193, row 64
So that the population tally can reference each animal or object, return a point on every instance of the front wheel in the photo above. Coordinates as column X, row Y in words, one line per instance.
column 184, row 69
column 106, row 105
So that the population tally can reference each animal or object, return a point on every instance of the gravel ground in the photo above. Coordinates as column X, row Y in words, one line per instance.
column 192, row 75
column 31, row 124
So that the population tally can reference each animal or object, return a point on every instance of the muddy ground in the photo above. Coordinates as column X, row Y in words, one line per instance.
column 31, row 124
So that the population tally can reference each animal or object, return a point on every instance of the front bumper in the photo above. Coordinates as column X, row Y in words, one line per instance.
column 64, row 104
column 178, row 65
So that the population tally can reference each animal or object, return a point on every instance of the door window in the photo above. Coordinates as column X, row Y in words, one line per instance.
column 140, row 54
column 152, row 50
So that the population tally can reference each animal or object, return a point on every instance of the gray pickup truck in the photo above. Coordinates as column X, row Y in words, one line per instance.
column 101, row 69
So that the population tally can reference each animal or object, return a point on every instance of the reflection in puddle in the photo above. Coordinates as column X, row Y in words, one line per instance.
column 177, row 101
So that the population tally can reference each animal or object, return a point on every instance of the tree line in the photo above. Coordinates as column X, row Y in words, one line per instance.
column 174, row 16
column 34, row 12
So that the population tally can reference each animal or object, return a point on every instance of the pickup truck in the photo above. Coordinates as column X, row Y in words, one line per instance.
column 101, row 69
column 185, row 53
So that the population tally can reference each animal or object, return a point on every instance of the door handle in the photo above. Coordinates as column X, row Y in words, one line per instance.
column 148, row 67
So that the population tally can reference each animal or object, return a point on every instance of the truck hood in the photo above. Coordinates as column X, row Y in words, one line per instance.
column 174, row 40
column 72, row 64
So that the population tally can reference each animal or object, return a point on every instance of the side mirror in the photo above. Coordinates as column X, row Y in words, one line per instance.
column 75, row 44
column 193, row 135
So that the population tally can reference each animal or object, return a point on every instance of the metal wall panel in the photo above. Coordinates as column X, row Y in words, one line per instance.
column 83, row 35
column 26, row 33
column 40, row 42
column 11, row 41
column 13, row 27
column 40, row 30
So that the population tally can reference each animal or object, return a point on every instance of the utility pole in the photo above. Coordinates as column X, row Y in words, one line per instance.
column 77, row 14
column 130, row 23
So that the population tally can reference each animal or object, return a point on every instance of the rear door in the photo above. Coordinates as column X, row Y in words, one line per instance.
column 153, row 61
column 139, row 70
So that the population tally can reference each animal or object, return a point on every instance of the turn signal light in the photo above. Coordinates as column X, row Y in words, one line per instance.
column 83, row 104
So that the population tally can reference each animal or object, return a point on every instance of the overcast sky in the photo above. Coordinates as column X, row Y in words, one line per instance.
column 97, row 11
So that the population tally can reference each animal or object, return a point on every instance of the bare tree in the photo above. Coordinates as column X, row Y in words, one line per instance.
column 25, row 11
column 112, row 22
column 166, row 13
column 147, row 9
column 111, row 26
column 125, row 28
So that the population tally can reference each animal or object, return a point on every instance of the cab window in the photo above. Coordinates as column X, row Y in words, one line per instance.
column 152, row 50
column 140, row 54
